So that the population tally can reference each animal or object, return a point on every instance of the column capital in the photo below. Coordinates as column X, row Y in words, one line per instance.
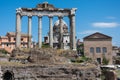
column 18, row 10
column 71, row 15
column 50, row 16
column 73, row 10
column 19, row 15
column 39, row 16
column 60, row 17
column 29, row 16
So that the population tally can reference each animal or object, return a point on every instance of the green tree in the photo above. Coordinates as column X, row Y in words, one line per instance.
column 80, row 49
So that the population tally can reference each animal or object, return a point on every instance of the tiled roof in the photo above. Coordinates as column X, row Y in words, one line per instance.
column 3, row 37
column 13, row 34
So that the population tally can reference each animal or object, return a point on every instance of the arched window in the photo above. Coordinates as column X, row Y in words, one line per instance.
column 98, row 50
column 91, row 50
column 104, row 49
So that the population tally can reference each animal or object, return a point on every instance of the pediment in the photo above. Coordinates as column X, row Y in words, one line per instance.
column 98, row 36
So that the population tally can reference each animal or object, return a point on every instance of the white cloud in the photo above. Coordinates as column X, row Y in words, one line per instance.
column 110, row 17
column 89, row 32
column 105, row 24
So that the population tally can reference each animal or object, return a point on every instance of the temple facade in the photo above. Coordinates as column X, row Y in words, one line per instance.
column 49, row 10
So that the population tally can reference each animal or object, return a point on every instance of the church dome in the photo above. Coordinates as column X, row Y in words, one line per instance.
column 56, row 27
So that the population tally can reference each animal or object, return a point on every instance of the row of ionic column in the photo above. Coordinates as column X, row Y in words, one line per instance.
column 18, row 31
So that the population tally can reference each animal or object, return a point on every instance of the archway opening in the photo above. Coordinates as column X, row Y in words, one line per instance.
column 8, row 76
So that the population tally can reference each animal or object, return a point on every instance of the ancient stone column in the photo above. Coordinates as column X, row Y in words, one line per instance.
column 51, row 32
column 72, row 29
column 72, row 32
column 29, row 31
column 61, row 32
column 18, row 30
column 39, row 31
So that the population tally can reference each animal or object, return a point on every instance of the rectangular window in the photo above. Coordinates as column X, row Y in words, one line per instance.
column 7, row 45
column 21, row 39
column 98, row 50
column 104, row 49
column 14, row 39
column 91, row 50
column 9, row 39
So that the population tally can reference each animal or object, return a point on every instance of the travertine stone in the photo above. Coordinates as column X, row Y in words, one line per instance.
column 51, row 32
column 39, row 31
column 29, row 31
column 18, row 30
column 73, row 33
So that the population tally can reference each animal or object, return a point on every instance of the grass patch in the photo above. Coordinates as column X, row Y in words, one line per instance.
column 81, row 59
column 118, row 73
column 3, row 51
column 10, row 63
column 45, row 46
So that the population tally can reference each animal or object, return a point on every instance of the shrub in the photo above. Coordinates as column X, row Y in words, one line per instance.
column 105, row 61
column 80, row 59
column 45, row 46
column 4, row 51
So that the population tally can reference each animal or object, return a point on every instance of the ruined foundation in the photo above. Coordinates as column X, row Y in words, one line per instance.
column 51, row 72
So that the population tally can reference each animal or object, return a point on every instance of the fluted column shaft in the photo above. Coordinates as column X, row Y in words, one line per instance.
column 29, row 31
column 51, row 31
column 40, row 31
column 18, row 30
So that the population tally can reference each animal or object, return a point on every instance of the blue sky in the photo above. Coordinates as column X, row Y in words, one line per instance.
column 91, row 16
